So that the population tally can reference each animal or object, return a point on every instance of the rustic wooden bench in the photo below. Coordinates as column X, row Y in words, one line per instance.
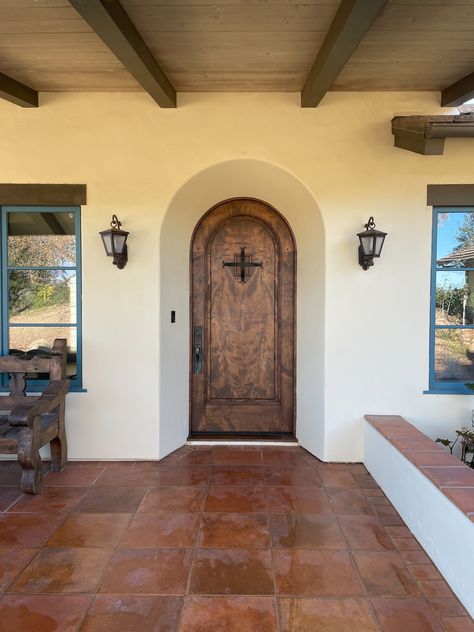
column 33, row 421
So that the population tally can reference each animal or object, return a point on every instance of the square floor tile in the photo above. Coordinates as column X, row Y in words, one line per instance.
column 237, row 476
column 232, row 572
column 337, row 478
column 235, row 500
column 42, row 613
column 8, row 495
column 148, row 572
column 228, row 530
column 410, row 614
column 72, row 477
column 349, row 501
column 183, row 476
column 197, row 457
column 187, row 499
column 12, row 562
column 26, row 529
column 90, row 529
column 111, row 500
column 306, row 531
column 52, row 500
column 290, row 476
column 61, row 570
column 310, row 614
column 236, row 456
column 163, row 529
column 114, row 613
column 365, row 532
column 126, row 477
column 318, row 573
column 298, row 500
column 229, row 614
column 384, row 574
column 279, row 458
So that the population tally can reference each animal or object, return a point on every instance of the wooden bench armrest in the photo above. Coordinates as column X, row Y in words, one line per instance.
column 24, row 414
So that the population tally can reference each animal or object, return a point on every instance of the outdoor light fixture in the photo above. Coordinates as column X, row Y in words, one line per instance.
column 115, row 242
column 371, row 243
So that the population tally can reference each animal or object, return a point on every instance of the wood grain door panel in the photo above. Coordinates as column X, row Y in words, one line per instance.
column 247, row 379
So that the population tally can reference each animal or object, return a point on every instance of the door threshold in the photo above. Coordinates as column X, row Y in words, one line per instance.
column 264, row 440
column 280, row 444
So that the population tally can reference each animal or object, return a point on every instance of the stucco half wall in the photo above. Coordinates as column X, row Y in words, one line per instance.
column 278, row 187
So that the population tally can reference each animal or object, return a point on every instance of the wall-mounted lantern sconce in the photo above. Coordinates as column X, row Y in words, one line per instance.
column 371, row 244
column 115, row 242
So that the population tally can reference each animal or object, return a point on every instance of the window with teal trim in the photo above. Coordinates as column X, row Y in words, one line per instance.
column 452, row 300
column 41, row 284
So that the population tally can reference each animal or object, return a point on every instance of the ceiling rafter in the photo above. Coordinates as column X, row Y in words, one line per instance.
column 111, row 23
column 351, row 23
column 459, row 92
column 16, row 92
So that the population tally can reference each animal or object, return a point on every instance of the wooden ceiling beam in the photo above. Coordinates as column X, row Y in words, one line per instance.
column 351, row 23
column 459, row 92
column 17, row 93
column 111, row 23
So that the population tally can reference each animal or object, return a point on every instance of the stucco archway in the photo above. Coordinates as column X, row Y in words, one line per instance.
column 281, row 189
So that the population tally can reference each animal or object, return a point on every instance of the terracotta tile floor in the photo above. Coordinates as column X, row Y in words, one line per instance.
column 214, row 539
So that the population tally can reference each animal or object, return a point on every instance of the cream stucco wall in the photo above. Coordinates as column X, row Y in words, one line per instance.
column 326, row 170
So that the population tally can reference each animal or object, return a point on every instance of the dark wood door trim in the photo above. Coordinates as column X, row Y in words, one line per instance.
column 276, row 225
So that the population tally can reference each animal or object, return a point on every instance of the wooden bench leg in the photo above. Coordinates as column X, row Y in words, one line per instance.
column 59, row 445
column 31, row 464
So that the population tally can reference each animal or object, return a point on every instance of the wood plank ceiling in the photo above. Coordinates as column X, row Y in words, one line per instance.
column 238, row 45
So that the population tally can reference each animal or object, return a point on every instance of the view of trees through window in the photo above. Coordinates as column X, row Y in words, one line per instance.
column 454, row 310
column 41, row 282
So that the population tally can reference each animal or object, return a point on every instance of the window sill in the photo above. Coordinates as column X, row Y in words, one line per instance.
column 434, row 391
column 38, row 392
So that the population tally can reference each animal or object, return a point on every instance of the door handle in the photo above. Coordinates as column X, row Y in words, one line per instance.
column 197, row 349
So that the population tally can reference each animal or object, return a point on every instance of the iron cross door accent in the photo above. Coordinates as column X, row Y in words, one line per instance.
column 245, row 263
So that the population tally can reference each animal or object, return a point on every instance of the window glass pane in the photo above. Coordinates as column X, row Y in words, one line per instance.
column 455, row 298
column 455, row 247
column 41, row 339
column 41, row 239
column 454, row 355
column 42, row 296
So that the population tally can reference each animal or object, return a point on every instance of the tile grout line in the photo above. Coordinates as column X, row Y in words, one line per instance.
column 272, row 553
column 114, row 550
column 195, row 548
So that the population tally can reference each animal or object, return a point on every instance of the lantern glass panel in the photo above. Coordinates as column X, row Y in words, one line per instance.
column 107, row 239
column 367, row 243
column 379, row 239
column 119, row 243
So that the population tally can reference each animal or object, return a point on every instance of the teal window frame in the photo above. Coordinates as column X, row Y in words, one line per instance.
column 436, row 386
column 38, row 385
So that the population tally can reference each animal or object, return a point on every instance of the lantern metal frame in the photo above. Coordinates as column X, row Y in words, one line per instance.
column 119, row 258
column 366, row 259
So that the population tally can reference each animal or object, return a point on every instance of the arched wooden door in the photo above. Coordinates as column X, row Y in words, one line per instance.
column 242, row 322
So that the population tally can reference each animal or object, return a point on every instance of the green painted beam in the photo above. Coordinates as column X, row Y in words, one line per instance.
column 459, row 92
column 16, row 92
column 351, row 23
column 111, row 23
